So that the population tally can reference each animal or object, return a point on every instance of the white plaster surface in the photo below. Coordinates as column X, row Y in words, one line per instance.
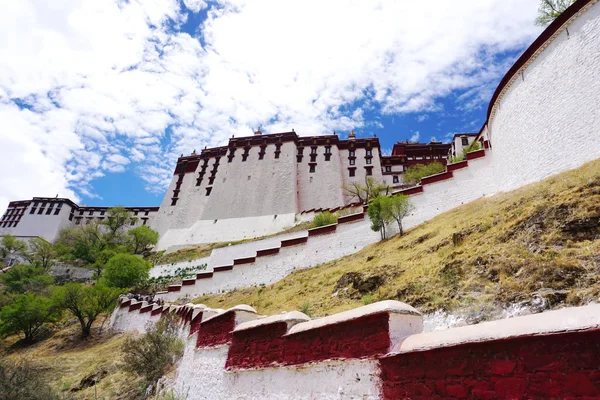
column 548, row 121
column 123, row 321
column 290, row 318
column 564, row 320
column 169, row 269
column 201, row 375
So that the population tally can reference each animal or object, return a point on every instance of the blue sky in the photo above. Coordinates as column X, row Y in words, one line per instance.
column 100, row 115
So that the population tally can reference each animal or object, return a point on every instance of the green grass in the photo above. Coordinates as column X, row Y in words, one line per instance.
column 542, row 239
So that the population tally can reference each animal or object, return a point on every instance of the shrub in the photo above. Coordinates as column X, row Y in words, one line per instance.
column 414, row 173
column 141, row 239
column 126, row 271
column 24, row 381
column 149, row 355
column 27, row 314
column 305, row 309
column 324, row 218
column 26, row 278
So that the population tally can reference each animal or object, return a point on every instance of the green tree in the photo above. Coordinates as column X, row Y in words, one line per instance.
column 116, row 219
column 549, row 10
column 379, row 219
column 11, row 245
column 414, row 173
column 27, row 314
column 150, row 354
column 396, row 208
column 126, row 271
column 364, row 193
column 26, row 278
column 83, row 243
column 42, row 253
column 85, row 302
column 141, row 239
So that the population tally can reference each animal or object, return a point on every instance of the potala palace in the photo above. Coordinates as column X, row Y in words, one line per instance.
column 543, row 119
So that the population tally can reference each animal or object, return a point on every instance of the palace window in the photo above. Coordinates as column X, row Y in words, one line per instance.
column 388, row 169
column 327, row 149
column 396, row 180
column 369, row 152
column 91, row 213
column 368, row 160
column 300, row 150
column 262, row 152
column 313, row 158
column 71, row 217
column 311, row 168
column 208, row 190
column 245, row 155
column 132, row 222
column 211, row 180
column 49, row 211
column 352, row 162
column 277, row 150
column 145, row 220
column 32, row 210
column 231, row 155
column 351, row 153
column 174, row 201
column 369, row 171
column 313, row 150
column 465, row 141
column 352, row 171
column 41, row 211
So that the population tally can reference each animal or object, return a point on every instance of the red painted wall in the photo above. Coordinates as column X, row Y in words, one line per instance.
column 216, row 331
column 562, row 366
column 263, row 346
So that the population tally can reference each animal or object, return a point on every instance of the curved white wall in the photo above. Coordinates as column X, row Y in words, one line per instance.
column 548, row 119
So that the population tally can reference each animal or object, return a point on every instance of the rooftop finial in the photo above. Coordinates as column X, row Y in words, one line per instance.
column 352, row 136
column 258, row 132
column 194, row 152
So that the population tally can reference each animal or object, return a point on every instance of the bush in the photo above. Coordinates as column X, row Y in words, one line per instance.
column 26, row 278
column 149, row 355
column 414, row 173
column 324, row 218
column 126, row 271
column 20, row 380
column 27, row 314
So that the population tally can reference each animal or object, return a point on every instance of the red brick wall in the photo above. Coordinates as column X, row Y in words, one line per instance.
column 216, row 331
column 263, row 346
column 195, row 324
column 541, row 367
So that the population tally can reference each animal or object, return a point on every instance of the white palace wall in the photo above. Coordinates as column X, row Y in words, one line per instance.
column 548, row 119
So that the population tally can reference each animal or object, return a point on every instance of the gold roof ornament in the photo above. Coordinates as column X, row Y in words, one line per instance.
column 352, row 136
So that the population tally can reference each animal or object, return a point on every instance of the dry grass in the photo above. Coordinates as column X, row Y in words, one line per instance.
column 204, row 250
column 67, row 359
column 540, row 240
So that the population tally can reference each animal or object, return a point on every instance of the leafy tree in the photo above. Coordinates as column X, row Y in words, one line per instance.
column 125, row 271
column 116, row 219
column 474, row 146
column 41, row 252
column 141, row 239
column 397, row 208
column 22, row 380
column 26, row 314
column 364, row 193
column 549, row 10
column 378, row 218
column 11, row 245
column 86, row 303
column 84, row 243
column 414, row 173
column 324, row 218
column 150, row 354
column 26, row 278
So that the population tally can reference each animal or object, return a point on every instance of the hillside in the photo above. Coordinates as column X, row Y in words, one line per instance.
column 540, row 241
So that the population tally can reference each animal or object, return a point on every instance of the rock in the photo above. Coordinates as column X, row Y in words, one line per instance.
column 90, row 380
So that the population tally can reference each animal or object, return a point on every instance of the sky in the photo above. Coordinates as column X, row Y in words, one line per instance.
column 98, row 98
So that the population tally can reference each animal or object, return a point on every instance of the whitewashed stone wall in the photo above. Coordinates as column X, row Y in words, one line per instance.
column 548, row 120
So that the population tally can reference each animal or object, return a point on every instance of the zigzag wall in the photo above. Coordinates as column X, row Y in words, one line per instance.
column 378, row 352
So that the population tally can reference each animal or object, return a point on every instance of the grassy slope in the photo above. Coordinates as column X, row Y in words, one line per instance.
column 543, row 239
column 67, row 359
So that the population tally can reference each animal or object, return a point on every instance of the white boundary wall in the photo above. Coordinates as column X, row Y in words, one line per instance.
column 548, row 119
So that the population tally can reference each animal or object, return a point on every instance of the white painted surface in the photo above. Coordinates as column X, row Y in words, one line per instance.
column 548, row 120
column 169, row 269
column 124, row 321
column 290, row 318
column 201, row 375
column 564, row 320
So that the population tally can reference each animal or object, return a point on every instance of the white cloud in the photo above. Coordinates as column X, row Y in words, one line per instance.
column 102, row 76
column 415, row 137
column 422, row 117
